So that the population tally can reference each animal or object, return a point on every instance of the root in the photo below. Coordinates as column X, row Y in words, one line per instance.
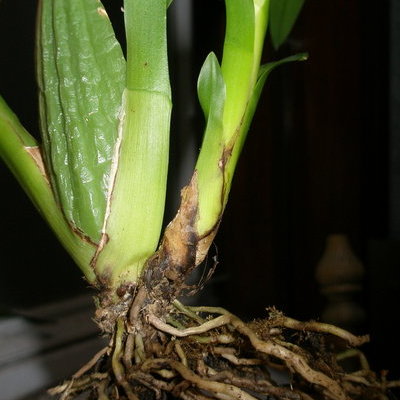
column 314, row 326
column 91, row 363
column 219, row 390
column 206, row 353
column 294, row 361
column 117, row 367
column 197, row 330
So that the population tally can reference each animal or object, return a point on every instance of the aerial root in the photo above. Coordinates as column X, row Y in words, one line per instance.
column 207, row 353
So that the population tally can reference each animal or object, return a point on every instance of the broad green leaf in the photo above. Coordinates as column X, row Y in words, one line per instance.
column 283, row 15
column 81, row 75
column 21, row 153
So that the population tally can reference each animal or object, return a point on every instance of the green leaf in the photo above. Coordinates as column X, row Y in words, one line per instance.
column 211, row 88
column 266, row 69
column 264, row 73
column 283, row 15
column 21, row 153
column 81, row 75
column 212, row 94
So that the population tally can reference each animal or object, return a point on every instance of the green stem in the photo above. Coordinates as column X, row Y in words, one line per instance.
column 137, row 197
column 244, row 38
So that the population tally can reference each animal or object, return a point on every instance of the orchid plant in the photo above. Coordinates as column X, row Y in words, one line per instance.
column 99, row 178
column 99, row 175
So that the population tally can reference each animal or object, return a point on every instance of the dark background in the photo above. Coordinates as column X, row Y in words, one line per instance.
column 322, row 158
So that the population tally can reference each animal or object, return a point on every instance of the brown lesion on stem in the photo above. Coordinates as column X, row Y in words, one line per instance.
column 81, row 234
column 36, row 153
column 182, row 249
column 104, row 239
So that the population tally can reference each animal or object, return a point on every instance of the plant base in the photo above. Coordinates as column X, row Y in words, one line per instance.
column 203, row 353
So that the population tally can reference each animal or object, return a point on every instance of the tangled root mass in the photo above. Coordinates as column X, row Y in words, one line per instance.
column 204, row 353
